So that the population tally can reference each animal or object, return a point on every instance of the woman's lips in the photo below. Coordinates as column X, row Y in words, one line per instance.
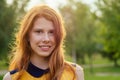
column 45, row 47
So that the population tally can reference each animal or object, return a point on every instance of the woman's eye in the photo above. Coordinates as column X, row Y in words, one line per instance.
column 38, row 31
column 51, row 32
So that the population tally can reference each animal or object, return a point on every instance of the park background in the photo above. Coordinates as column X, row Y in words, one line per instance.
column 93, row 33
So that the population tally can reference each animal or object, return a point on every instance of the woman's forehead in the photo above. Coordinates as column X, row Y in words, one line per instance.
column 42, row 22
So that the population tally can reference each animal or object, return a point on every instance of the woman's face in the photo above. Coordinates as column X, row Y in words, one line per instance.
column 42, row 37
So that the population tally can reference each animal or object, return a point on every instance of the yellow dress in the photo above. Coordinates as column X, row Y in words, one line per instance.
column 66, row 75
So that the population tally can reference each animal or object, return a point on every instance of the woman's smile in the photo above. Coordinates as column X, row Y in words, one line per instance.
column 45, row 47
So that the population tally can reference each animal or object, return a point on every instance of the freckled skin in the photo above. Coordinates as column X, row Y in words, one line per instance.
column 41, row 37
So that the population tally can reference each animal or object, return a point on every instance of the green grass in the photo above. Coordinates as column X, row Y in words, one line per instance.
column 97, row 59
column 94, row 77
column 1, row 77
column 111, row 69
column 108, row 69
column 107, row 73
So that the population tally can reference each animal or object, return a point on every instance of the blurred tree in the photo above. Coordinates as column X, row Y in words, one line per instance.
column 9, row 14
column 109, row 16
column 80, row 30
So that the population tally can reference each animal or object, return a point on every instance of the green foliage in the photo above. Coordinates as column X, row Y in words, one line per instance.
column 97, row 59
column 110, row 19
column 9, row 14
column 80, row 29
column 3, row 64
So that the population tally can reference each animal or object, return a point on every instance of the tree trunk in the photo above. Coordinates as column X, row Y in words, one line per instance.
column 115, row 63
column 83, row 58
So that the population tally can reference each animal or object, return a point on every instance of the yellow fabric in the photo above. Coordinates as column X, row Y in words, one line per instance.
column 67, row 75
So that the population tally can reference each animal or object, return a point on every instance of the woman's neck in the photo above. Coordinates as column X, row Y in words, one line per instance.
column 39, row 62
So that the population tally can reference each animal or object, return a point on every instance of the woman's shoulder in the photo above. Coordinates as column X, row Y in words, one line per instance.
column 7, row 76
column 78, row 71
column 76, row 66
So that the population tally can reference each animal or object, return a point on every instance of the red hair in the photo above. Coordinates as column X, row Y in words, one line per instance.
column 22, row 50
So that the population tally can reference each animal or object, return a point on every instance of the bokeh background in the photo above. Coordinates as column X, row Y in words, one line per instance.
column 93, row 33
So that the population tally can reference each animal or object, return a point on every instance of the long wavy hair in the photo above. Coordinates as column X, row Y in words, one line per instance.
column 22, row 50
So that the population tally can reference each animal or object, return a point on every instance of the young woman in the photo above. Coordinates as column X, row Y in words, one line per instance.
column 38, row 50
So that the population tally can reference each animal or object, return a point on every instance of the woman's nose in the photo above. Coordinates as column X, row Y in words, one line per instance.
column 46, row 38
